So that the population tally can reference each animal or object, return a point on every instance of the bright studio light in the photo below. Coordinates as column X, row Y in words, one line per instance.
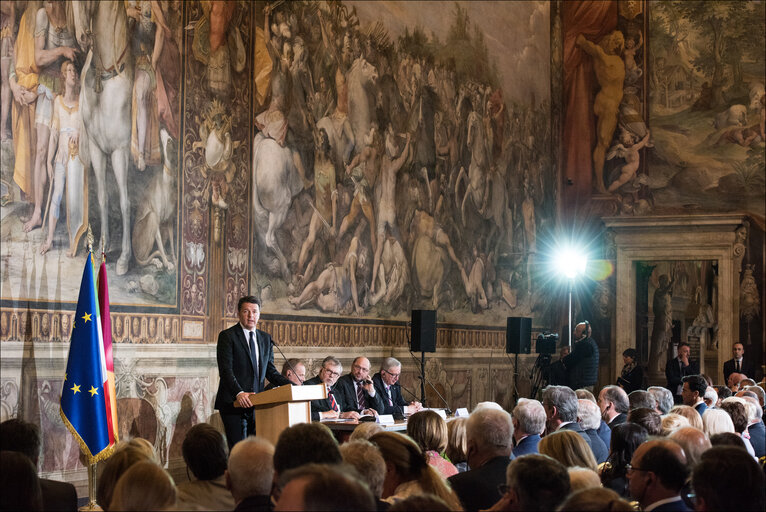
column 570, row 262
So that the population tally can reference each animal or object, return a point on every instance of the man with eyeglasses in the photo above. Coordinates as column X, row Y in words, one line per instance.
column 359, row 395
column 328, row 408
column 656, row 474
column 386, row 383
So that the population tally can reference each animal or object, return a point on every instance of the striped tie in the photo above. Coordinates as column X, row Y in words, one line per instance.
column 360, row 397
column 333, row 403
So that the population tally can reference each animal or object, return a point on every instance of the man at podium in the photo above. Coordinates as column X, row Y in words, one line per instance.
column 245, row 360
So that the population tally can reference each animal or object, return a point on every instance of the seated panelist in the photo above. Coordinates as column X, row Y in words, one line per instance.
column 386, row 383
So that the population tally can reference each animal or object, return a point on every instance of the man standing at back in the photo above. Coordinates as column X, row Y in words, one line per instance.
column 245, row 359
column 582, row 364
column 738, row 364
column 679, row 367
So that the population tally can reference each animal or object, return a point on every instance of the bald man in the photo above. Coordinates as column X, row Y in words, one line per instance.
column 582, row 363
column 358, row 390
column 693, row 441
column 656, row 475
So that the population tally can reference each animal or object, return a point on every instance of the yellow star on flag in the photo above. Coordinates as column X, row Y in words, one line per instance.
column 75, row 388
column 93, row 391
column 86, row 317
column 65, row 376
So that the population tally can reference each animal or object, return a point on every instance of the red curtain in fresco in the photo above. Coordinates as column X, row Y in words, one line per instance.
column 594, row 19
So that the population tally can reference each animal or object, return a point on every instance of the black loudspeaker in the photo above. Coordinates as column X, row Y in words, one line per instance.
column 423, row 330
column 518, row 335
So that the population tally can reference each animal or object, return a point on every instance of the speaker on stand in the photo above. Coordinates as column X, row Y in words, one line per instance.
column 518, row 340
column 423, row 338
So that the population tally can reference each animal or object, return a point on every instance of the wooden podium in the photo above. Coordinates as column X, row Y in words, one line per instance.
column 282, row 407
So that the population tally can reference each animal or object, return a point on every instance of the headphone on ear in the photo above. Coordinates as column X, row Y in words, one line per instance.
column 586, row 332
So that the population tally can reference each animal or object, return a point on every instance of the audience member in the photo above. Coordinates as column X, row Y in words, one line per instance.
column 305, row 443
column 647, row 418
column 19, row 484
column 365, row 431
column 144, row 486
column 725, row 480
column 584, row 394
column 717, row 421
column 595, row 500
column 528, row 424
column 737, row 413
column 625, row 439
column 759, row 393
column 489, row 438
column 250, row 474
column 693, row 392
column 315, row 487
column 330, row 407
column 679, row 367
column 124, row 457
column 366, row 459
column 632, row 375
column 408, row 472
column 533, row 483
column 583, row 478
column 693, row 441
column 560, row 405
column 359, row 394
column 756, row 429
column 429, row 430
column 420, row 503
column 738, row 363
column 387, row 385
column 694, row 418
column 17, row 435
column 747, row 381
column 733, row 381
column 663, row 397
column 728, row 439
column 614, row 405
column 723, row 392
column 456, row 445
column 204, row 451
column 672, row 422
column 589, row 417
column 143, row 446
column 707, row 378
column 711, row 397
column 656, row 475
column 568, row 448
column 641, row 398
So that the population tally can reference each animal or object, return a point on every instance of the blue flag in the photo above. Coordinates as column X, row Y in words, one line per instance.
column 83, row 399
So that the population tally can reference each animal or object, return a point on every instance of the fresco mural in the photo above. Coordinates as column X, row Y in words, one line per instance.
column 90, row 134
column 401, row 160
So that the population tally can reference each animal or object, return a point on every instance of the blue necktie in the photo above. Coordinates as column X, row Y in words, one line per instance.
column 255, row 363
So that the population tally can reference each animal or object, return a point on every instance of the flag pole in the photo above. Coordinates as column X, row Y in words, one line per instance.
column 92, row 505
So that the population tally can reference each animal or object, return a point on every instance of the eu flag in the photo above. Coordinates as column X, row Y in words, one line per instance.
column 83, row 397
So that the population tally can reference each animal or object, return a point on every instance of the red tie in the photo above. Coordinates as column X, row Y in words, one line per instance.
column 333, row 403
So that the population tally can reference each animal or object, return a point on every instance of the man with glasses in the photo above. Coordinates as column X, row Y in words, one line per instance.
column 328, row 408
column 656, row 474
column 359, row 395
column 386, row 383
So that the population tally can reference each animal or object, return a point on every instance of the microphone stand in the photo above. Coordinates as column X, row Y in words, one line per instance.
column 286, row 360
column 424, row 381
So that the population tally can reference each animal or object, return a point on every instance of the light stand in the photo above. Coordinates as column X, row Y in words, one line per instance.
column 570, row 263
column 571, row 282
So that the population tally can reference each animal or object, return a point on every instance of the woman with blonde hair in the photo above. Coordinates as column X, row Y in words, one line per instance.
column 408, row 472
column 429, row 430
column 125, row 456
column 568, row 448
column 672, row 422
column 716, row 421
column 691, row 414
column 145, row 486
column 456, row 443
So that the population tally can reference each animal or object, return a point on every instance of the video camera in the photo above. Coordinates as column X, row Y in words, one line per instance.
column 546, row 343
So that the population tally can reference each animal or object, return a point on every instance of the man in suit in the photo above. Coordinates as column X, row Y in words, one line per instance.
column 359, row 395
column 245, row 359
column 679, row 367
column 489, row 434
column 560, row 405
column 693, row 392
column 17, row 435
column 294, row 370
column 330, row 407
column 738, row 364
column 386, row 383
column 582, row 364
column 534, row 482
column 614, row 405
column 657, row 474
column 528, row 423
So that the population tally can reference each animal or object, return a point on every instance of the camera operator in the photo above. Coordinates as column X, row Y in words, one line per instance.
column 582, row 364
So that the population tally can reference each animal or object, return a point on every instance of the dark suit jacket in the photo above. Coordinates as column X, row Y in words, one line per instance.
column 321, row 405
column 236, row 369
column 605, row 433
column 345, row 387
column 618, row 420
column 748, row 368
column 758, row 438
column 477, row 488
column 575, row 427
column 396, row 396
column 527, row 445
column 600, row 450
column 674, row 375
column 58, row 495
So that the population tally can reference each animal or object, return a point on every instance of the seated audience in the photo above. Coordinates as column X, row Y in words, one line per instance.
column 204, row 451
column 672, row 422
column 589, row 417
column 737, row 413
column 568, row 448
column 693, row 392
column 595, row 500
column 366, row 459
column 614, row 405
column 323, row 487
column 19, row 484
column 533, row 483
column 733, row 381
column 143, row 446
column 560, row 405
column 250, row 474
column 759, row 393
column 528, row 424
column 359, row 394
column 305, row 443
column 17, row 435
column 723, row 392
column 657, row 474
column 489, row 438
column 420, row 503
column 625, row 439
column 604, row 432
column 694, row 418
column 663, row 397
column 746, row 382
column 386, row 383
column 717, row 421
column 408, row 472
column 429, row 430
column 725, row 480
column 693, row 441
column 728, row 439
column 641, row 398
column 632, row 376
column 456, row 445
column 711, row 397
column 124, row 457
column 647, row 418
column 144, row 486
column 755, row 427
column 365, row 431
column 583, row 478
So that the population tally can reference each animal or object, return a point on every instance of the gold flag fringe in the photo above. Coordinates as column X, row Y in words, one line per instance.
column 92, row 459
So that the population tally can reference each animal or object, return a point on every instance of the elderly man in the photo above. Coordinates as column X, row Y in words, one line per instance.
column 330, row 407
column 359, row 395
column 560, row 405
column 386, row 383
column 534, row 482
column 733, row 381
column 656, row 475
column 489, row 435
column 528, row 424
column 589, row 417
column 663, row 397
column 693, row 441
column 323, row 487
column 755, row 427
column 614, row 405
column 641, row 398
column 693, row 392
column 251, row 473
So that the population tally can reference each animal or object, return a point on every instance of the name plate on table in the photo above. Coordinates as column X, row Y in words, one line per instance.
column 461, row 413
column 386, row 419
column 440, row 412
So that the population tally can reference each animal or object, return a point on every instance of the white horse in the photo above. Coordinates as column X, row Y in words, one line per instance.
column 361, row 77
column 105, row 105
column 275, row 182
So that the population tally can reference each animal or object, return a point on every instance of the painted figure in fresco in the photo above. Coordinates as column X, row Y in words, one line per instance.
column 628, row 149
column 474, row 282
column 214, row 34
column 64, row 164
column 632, row 70
column 7, row 22
column 54, row 42
column 662, row 307
column 610, row 73
column 393, row 272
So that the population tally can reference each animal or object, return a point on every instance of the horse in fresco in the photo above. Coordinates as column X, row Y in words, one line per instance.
column 361, row 79
column 105, row 105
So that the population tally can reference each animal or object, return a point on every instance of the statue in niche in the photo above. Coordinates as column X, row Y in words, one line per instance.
column 705, row 321
column 740, row 240
column 749, row 301
column 662, row 306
